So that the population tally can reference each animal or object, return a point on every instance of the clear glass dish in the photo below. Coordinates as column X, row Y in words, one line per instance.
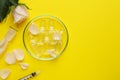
column 45, row 37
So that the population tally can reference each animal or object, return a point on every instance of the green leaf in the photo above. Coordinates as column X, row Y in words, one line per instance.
column 4, row 9
column 14, row 2
column 24, row 5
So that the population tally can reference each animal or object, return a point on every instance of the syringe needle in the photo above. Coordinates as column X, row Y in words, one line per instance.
column 33, row 74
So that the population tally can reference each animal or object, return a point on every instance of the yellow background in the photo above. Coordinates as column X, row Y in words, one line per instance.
column 93, row 52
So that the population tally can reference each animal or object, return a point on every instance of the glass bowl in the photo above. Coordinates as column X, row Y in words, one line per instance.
column 45, row 37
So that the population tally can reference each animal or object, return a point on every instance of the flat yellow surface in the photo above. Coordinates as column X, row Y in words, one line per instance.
column 93, row 52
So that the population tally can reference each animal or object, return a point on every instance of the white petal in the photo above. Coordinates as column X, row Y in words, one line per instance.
column 3, row 48
column 20, row 14
column 53, row 55
column 56, row 36
column 19, row 18
column 4, row 73
column 24, row 65
column 34, row 29
column 10, row 34
column 21, row 10
column 19, row 54
column 51, row 52
column 10, row 58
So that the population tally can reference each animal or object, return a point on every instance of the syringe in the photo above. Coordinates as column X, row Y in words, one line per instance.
column 33, row 74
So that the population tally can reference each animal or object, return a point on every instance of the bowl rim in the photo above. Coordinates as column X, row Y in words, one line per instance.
column 61, row 52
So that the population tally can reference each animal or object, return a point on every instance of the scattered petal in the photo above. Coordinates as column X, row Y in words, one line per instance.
column 10, row 58
column 34, row 29
column 10, row 34
column 19, row 54
column 24, row 65
column 4, row 73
